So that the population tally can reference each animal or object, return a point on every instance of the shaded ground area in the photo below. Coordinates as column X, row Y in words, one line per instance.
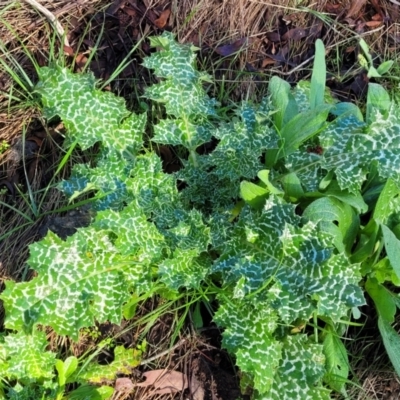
column 242, row 43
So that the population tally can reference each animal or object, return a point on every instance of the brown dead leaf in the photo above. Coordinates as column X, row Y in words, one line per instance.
column 164, row 381
column 162, row 20
column 81, row 60
column 273, row 36
column 68, row 50
column 229, row 49
column 377, row 17
column 267, row 61
column 373, row 24
column 130, row 11
column 333, row 8
column 295, row 34
column 124, row 385
column 355, row 8
column 196, row 389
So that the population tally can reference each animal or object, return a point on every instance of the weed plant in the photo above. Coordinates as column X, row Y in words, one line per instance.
column 287, row 223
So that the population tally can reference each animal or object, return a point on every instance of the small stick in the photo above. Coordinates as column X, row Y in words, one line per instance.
column 51, row 17
column 163, row 353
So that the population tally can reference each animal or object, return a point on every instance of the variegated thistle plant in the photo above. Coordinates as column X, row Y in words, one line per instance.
column 292, row 216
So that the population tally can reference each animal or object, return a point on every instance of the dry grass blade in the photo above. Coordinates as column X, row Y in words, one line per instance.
column 51, row 17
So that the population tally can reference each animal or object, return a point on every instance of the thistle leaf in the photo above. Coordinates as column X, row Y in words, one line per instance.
column 24, row 357
column 272, row 248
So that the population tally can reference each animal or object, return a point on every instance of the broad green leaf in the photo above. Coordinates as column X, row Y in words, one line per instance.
column 283, row 101
column 248, row 334
column 377, row 99
column 91, row 392
column 388, row 202
column 318, row 77
column 383, row 272
column 274, row 248
column 392, row 247
column 335, row 218
column 253, row 194
column 367, row 242
column 300, row 371
column 350, row 148
column 80, row 280
column 385, row 67
column 263, row 175
column 124, row 361
column 383, row 299
column 391, row 340
column 354, row 200
column 303, row 127
column 24, row 357
column 92, row 115
column 292, row 186
column 65, row 369
column 347, row 109
column 181, row 90
column 337, row 362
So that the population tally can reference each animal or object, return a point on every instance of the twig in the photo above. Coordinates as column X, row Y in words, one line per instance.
column 51, row 17
column 163, row 353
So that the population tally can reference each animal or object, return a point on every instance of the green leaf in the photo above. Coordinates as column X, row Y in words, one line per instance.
column 337, row 362
column 66, row 368
column 283, row 102
column 124, row 361
column 354, row 200
column 292, row 186
column 91, row 392
column 391, row 340
column 383, row 299
column 335, row 218
column 318, row 77
column 273, row 247
column 300, row 371
column 93, row 115
column 248, row 334
column 377, row 99
column 253, row 194
column 385, row 67
column 367, row 242
column 392, row 247
column 24, row 357
column 388, row 202
column 303, row 127
column 263, row 175
column 347, row 109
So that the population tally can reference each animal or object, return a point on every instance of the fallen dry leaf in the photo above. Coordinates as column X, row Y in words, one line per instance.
column 162, row 20
column 355, row 8
column 273, row 36
column 196, row 389
column 164, row 381
column 373, row 24
column 68, row 50
column 124, row 385
column 229, row 49
column 295, row 34
column 267, row 61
